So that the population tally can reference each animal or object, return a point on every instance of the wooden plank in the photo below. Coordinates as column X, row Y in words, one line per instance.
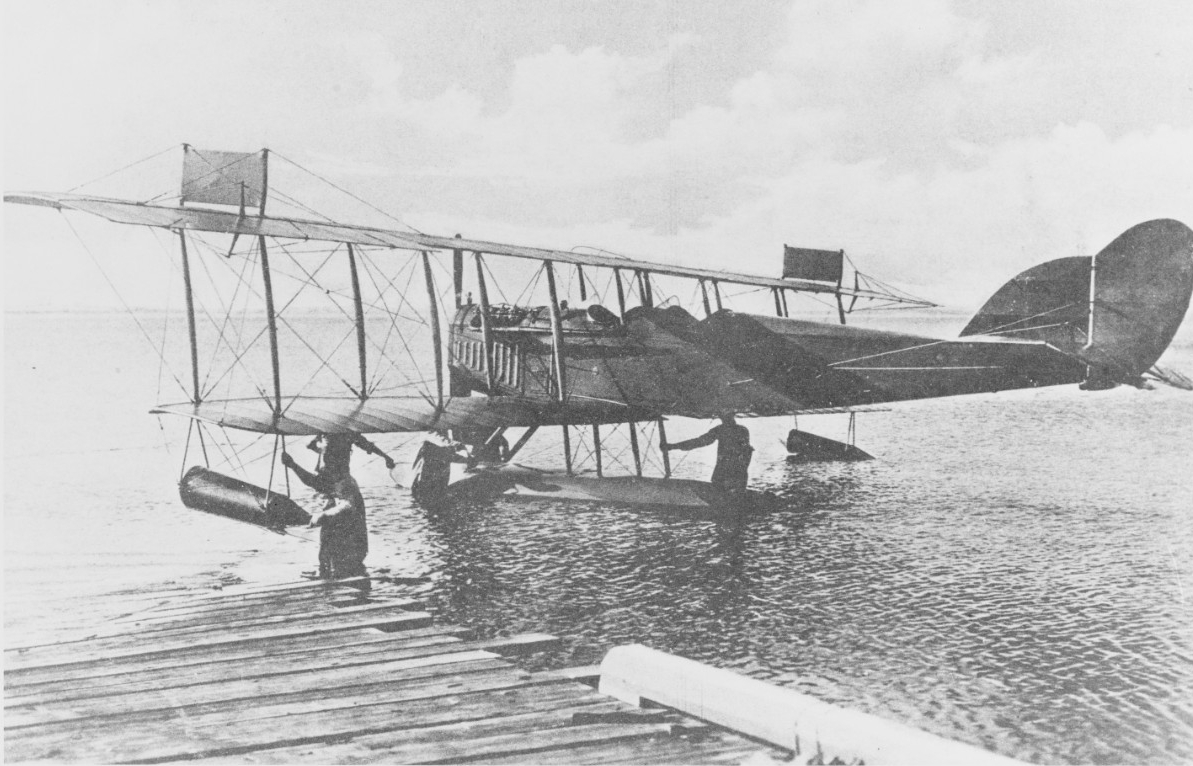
column 149, row 622
column 63, row 689
column 378, row 748
column 212, row 673
column 267, row 591
column 526, row 743
column 180, row 740
column 260, row 618
column 123, row 639
column 658, row 750
column 264, row 601
column 396, row 620
column 14, row 680
column 252, row 612
column 588, row 674
column 95, row 643
column 265, row 697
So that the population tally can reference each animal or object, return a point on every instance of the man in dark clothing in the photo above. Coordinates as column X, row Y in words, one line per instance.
column 343, row 533
column 733, row 452
column 483, row 446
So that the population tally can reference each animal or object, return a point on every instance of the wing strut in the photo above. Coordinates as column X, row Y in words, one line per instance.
column 704, row 296
column 634, row 448
column 486, row 330
column 436, row 334
column 841, row 303
column 645, row 295
column 360, row 323
column 596, row 449
column 458, row 275
column 556, row 337
column 518, row 445
column 620, row 292
column 273, row 329
column 190, row 315
column 666, row 455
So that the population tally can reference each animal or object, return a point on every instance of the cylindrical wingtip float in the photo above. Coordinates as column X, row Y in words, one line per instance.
column 205, row 490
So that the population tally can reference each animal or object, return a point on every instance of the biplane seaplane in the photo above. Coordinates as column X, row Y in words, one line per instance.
column 299, row 326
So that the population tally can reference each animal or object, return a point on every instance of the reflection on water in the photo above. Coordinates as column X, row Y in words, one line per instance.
column 1012, row 571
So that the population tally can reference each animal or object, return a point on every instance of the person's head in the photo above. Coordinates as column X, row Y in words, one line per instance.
column 337, row 453
column 471, row 436
column 728, row 418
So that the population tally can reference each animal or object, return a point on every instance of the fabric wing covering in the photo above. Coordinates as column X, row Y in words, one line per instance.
column 330, row 415
column 227, row 222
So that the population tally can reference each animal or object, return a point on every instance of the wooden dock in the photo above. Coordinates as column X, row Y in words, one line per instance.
column 321, row 672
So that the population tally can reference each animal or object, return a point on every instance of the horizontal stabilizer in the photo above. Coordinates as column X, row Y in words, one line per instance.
column 1116, row 312
column 1170, row 377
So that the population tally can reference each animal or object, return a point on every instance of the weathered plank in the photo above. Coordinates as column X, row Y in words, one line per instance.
column 275, row 606
column 653, row 750
column 378, row 748
column 395, row 619
column 156, row 601
column 203, row 653
column 237, row 591
column 64, row 689
column 258, row 614
column 255, row 618
column 526, row 743
column 270, row 698
column 124, row 639
column 181, row 740
column 314, row 663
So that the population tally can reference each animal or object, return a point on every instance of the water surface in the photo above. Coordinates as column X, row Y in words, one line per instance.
column 1012, row 571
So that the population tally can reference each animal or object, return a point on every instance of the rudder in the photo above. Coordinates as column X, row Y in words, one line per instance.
column 1118, row 319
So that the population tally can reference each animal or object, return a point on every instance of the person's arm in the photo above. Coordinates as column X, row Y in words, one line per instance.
column 306, row 477
column 699, row 441
column 373, row 449
column 318, row 518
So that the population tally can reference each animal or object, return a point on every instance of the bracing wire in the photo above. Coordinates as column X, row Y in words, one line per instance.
column 369, row 269
column 160, row 352
column 170, row 148
column 350, row 194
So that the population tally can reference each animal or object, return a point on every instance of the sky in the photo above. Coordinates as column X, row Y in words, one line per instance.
column 945, row 146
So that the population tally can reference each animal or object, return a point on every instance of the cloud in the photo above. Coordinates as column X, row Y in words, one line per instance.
column 938, row 141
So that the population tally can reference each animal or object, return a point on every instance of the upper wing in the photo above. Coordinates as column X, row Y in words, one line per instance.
column 220, row 221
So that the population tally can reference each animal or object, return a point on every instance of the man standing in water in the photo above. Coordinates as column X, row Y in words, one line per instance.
column 733, row 452
column 343, row 533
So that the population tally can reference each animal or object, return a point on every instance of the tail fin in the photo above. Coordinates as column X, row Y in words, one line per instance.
column 1116, row 311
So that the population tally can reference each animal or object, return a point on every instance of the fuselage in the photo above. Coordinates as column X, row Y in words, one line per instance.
column 668, row 361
